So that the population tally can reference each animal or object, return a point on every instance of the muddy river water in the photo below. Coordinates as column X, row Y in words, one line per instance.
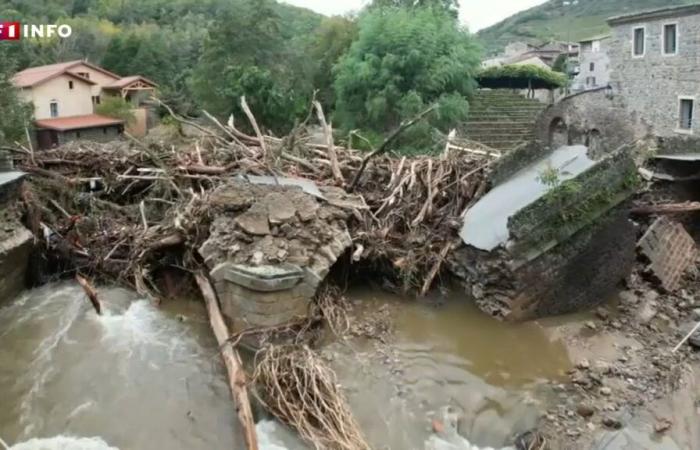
column 141, row 377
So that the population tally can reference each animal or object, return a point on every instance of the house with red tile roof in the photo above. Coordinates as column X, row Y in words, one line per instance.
column 65, row 95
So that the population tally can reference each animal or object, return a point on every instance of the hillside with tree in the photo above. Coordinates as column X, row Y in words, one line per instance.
column 562, row 20
column 370, row 71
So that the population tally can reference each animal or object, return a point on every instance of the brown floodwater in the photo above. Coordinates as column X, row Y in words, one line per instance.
column 493, row 373
column 142, row 377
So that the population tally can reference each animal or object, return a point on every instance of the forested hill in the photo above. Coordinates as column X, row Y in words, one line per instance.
column 160, row 39
column 370, row 72
column 554, row 20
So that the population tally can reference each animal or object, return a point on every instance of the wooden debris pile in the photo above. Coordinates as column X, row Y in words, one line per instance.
column 119, row 209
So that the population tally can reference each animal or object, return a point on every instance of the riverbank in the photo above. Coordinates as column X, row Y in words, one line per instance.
column 628, row 384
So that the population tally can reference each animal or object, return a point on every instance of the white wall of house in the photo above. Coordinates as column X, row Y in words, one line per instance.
column 71, row 102
column 101, row 78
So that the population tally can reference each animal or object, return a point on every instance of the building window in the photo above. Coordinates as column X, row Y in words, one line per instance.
column 595, row 46
column 95, row 99
column 670, row 37
column 84, row 75
column 70, row 85
column 687, row 107
column 591, row 67
column 53, row 108
column 638, row 42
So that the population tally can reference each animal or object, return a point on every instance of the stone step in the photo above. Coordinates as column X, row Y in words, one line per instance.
column 528, row 109
column 491, row 140
column 502, row 118
column 500, row 138
column 505, row 126
column 498, row 134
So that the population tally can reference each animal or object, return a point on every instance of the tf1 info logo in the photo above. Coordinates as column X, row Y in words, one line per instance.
column 14, row 31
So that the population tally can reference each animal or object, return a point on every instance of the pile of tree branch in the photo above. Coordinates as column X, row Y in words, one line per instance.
column 118, row 209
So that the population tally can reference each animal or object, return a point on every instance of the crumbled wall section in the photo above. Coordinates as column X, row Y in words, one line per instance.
column 258, row 226
column 670, row 250
column 15, row 249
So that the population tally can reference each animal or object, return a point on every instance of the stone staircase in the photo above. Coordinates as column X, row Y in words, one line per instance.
column 502, row 118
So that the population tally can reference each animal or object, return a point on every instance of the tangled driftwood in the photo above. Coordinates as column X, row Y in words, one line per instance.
column 300, row 390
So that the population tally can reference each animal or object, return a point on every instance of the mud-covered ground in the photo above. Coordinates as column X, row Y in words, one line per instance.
column 628, row 388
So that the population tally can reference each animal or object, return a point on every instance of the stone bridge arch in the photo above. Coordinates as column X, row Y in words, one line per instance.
column 591, row 118
column 558, row 133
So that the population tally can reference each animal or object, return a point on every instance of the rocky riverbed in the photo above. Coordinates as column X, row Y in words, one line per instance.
column 628, row 388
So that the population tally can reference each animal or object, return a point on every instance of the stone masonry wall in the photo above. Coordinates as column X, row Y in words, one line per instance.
column 591, row 118
column 101, row 134
column 652, row 84
column 268, row 228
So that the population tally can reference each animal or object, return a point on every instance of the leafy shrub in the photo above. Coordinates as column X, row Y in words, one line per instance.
column 521, row 77
column 117, row 108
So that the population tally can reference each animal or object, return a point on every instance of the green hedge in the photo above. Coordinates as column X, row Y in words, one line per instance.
column 520, row 77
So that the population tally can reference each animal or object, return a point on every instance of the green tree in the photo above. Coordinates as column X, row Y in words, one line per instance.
column 561, row 63
column 245, row 54
column 404, row 60
column 16, row 114
column 451, row 6
column 331, row 40
column 116, row 107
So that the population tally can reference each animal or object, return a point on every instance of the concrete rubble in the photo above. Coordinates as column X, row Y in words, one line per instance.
column 552, row 236
column 16, row 241
column 670, row 251
column 269, row 249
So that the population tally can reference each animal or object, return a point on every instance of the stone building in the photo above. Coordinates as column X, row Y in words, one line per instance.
column 594, row 64
column 655, row 66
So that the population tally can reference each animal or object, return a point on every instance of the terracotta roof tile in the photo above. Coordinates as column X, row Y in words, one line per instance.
column 123, row 82
column 35, row 75
column 77, row 122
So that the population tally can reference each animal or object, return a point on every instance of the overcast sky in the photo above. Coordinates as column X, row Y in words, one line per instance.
column 477, row 14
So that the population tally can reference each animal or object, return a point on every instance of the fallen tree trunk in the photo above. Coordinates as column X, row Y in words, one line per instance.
column 236, row 375
column 90, row 292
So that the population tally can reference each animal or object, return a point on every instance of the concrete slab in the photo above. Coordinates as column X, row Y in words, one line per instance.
column 265, row 278
column 307, row 186
column 485, row 225
column 680, row 157
column 10, row 177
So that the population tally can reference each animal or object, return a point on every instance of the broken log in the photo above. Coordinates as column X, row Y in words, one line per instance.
column 254, row 124
column 405, row 125
column 236, row 375
column 667, row 208
column 90, row 292
column 328, row 134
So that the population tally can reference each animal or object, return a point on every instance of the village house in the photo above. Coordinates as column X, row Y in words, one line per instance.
column 594, row 63
column 655, row 67
column 65, row 96
column 544, row 55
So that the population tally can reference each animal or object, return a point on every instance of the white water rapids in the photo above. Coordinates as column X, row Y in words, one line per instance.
column 142, row 377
